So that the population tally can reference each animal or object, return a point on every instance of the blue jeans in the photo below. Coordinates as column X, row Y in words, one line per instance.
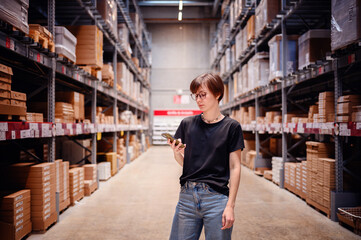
column 198, row 206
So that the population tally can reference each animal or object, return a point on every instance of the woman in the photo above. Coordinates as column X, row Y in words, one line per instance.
column 210, row 158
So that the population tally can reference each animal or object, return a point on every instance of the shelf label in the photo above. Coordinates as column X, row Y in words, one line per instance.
column 38, row 57
column 300, row 128
column 4, row 127
column 63, row 69
column 36, row 133
column 99, row 136
column 343, row 126
column 78, row 129
column 321, row 70
column 10, row 43
column 2, row 136
column 13, row 135
column 45, row 131
column 25, row 134
column 358, row 126
column 33, row 126
column 345, row 132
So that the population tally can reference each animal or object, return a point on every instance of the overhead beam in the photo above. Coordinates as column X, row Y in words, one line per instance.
column 173, row 3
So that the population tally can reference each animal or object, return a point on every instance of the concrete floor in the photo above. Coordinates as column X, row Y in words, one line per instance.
column 139, row 203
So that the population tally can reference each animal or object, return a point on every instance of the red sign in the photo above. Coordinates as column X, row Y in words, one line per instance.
column 176, row 112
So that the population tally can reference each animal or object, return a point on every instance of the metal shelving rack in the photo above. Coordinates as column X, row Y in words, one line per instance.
column 312, row 77
column 82, row 10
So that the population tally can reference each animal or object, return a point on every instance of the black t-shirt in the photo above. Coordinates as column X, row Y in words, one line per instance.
column 206, row 157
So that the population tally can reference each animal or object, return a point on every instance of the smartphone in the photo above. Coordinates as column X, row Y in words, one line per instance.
column 168, row 136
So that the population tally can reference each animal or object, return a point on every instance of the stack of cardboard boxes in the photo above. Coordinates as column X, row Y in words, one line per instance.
column 104, row 171
column 64, row 112
column 15, row 211
column 270, row 116
column 312, row 114
column 326, row 107
column 108, row 74
column 34, row 117
column 40, row 179
column 277, row 166
column 266, row 11
column 304, row 180
column 76, row 186
column 11, row 102
column 110, row 157
column 346, row 107
column 62, row 183
column 313, row 46
column 90, row 179
column 121, row 153
column 89, row 48
column 76, row 100
column 275, row 55
column 318, row 193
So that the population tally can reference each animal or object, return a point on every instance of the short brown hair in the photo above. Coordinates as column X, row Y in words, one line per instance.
column 213, row 82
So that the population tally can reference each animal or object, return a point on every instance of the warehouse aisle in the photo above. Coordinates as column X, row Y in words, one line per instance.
column 139, row 202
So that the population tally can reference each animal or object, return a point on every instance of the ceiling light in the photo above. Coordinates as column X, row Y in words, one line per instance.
column 180, row 16
column 180, row 5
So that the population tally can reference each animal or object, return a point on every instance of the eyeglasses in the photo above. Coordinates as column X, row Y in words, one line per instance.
column 201, row 95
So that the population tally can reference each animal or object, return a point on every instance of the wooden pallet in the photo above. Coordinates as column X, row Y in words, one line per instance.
column 348, row 223
column 15, row 118
column 64, row 58
column 275, row 80
column 318, row 207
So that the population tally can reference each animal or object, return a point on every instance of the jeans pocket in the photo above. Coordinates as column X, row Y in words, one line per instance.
column 211, row 191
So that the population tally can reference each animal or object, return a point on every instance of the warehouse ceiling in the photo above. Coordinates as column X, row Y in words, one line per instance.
column 162, row 11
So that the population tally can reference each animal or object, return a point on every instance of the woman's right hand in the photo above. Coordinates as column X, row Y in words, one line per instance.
column 177, row 149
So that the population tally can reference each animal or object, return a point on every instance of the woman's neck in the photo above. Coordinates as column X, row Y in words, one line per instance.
column 212, row 114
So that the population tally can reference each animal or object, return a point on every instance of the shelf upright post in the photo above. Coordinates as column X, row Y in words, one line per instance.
column 127, row 142
column 51, row 95
column 257, row 160
column 258, row 145
column 338, row 140
column 284, row 97
column 115, row 110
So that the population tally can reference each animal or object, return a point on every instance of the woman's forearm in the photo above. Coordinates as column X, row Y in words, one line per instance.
column 235, row 176
column 179, row 158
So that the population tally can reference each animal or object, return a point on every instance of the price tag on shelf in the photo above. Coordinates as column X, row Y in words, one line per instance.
column 45, row 131
column 34, row 126
column 13, row 135
column 63, row 69
column 343, row 126
column 10, row 43
column 38, row 57
column 36, row 133
column 2, row 136
column 309, row 125
column 69, row 126
column 345, row 132
column 4, row 127
column 358, row 126
column 300, row 128
column 79, row 129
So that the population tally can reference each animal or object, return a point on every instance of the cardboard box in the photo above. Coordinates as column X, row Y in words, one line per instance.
column 42, row 224
column 5, row 101
column 5, row 86
column 18, row 96
column 266, row 11
column 12, row 232
column 4, row 94
column 251, row 28
column 5, row 74
column 17, row 103
column 346, row 19
column 76, row 100
column 104, row 170
column 89, row 48
column 109, row 157
column 313, row 46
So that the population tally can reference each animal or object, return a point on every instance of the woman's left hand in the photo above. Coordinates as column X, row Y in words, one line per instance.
column 227, row 218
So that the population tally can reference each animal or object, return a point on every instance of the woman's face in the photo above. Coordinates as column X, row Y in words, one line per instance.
column 205, row 98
